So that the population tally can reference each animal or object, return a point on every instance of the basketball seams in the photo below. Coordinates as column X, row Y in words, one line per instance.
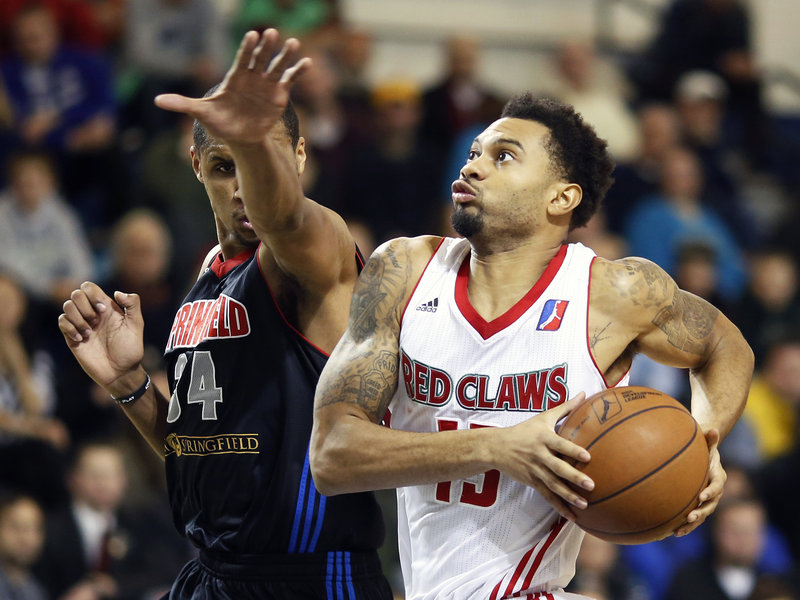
column 657, row 469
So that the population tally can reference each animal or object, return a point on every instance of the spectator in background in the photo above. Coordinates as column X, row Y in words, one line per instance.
column 170, row 45
column 700, row 98
column 600, row 574
column 351, row 53
column 82, row 23
column 141, row 252
column 171, row 188
column 659, row 133
column 21, row 539
column 773, row 403
column 661, row 223
column 96, row 549
column 42, row 241
column 62, row 100
column 329, row 129
column 459, row 100
column 31, row 440
column 729, row 570
column 771, row 303
column 596, row 91
column 391, row 183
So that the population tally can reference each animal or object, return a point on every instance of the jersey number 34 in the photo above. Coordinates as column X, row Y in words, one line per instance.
column 202, row 390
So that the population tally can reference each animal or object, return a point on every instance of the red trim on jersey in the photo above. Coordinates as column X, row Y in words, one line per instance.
column 588, row 344
column 439, row 245
column 488, row 328
column 280, row 312
column 222, row 266
column 554, row 531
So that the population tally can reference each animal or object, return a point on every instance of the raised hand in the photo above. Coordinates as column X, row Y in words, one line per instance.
column 254, row 93
column 105, row 336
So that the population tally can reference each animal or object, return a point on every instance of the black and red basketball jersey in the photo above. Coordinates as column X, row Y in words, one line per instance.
column 242, row 383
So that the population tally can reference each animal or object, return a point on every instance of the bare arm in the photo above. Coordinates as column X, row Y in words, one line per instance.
column 643, row 309
column 307, row 241
column 351, row 452
column 106, row 338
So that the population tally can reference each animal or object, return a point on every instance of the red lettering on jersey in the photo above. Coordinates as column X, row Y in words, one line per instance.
column 461, row 391
column 557, row 382
column 531, row 388
column 408, row 373
column 219, row 318
column 487, row 495
column 421, row 375
column 506, row 394
column 238, row 323
column 439, row 387
column 483, row 401
column 443, row 487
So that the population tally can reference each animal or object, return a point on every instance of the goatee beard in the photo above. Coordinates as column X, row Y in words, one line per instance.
column 466, row 224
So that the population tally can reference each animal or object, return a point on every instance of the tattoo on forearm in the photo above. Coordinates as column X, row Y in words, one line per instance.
column 688, row 322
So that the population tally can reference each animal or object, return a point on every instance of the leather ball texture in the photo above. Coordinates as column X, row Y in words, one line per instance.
column 649, row 463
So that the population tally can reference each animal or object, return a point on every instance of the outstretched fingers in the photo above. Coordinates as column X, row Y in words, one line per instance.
column 262, row 53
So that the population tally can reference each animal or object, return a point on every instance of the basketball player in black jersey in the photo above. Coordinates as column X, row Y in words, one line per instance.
column 244, row 355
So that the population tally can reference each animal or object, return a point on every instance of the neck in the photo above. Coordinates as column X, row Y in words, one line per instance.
column 499, row 279
column 16, row 574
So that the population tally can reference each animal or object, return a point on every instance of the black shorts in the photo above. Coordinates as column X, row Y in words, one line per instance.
column 319, row 576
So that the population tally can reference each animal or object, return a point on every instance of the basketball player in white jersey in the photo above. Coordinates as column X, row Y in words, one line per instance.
column 469, row 350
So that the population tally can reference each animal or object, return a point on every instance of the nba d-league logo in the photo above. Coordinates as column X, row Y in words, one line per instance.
column 552, row 314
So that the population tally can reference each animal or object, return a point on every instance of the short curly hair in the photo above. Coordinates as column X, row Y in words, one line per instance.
column 577, row 154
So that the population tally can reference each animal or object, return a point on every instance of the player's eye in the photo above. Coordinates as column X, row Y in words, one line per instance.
column 472, row 155
column 225, row 167
column 504, row 156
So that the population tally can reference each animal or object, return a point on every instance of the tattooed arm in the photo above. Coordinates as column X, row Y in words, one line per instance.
column 637, row 307
column 351, row 451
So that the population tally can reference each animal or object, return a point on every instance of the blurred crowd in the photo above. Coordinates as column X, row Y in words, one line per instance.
column 97, row 184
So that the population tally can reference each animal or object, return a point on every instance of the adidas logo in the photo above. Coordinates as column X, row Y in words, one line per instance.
column 429, row 306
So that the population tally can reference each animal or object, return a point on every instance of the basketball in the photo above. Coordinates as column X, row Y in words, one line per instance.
column 649, row 463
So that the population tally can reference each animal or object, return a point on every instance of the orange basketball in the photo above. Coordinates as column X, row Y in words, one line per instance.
column 649, row 463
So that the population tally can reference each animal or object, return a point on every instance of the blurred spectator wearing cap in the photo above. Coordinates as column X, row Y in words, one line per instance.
column 712, row 35
column 661, row 223
column 21, row 539
column 459, row 100
column 391, row 182
column 658, row 132
column 701, row 98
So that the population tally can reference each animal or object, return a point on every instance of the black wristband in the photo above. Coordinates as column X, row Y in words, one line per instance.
column 135, row 395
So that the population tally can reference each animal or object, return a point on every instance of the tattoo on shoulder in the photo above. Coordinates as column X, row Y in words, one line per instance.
column 649, row 287
column 599, row 335
column 688, row 322
column 376, row 284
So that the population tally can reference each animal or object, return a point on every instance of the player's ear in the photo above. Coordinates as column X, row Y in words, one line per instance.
column 300, row 156
column 195, row 154
column 565, row 198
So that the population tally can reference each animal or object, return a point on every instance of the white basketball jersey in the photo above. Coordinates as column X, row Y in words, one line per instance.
column 487, row 536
